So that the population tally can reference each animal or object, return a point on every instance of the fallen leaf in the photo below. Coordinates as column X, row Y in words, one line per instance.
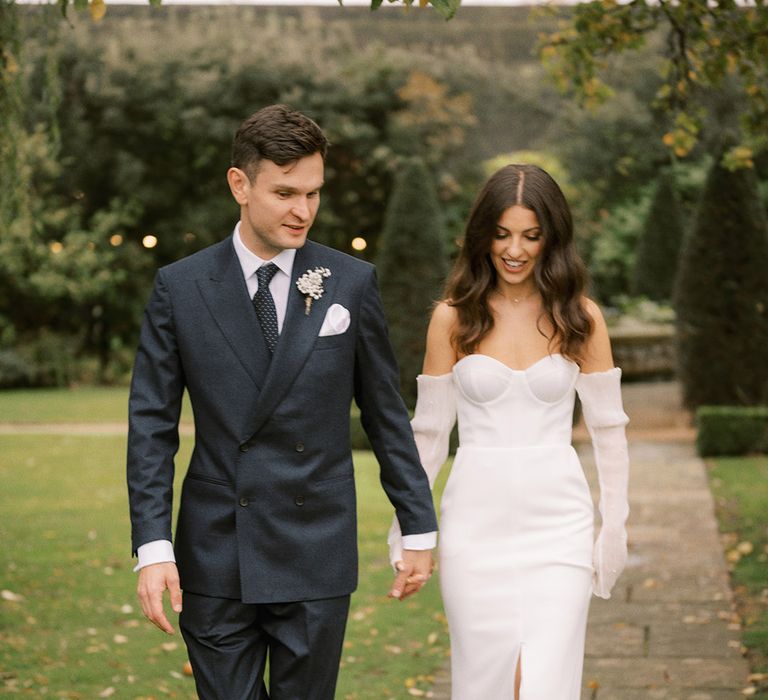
column 11, row 596
column 749, row 690
column 107, row 692
column 169, row 646
column 119, row 639
column 432, row 638
column 187, row 669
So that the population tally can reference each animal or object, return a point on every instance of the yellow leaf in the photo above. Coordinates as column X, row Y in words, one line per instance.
column 98, row 9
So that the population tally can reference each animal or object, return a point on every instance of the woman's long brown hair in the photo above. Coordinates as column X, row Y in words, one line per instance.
column 559, row 274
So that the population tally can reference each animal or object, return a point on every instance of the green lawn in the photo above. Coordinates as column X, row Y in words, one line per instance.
column 70, row 626
column 86, row 404
column 740, row 487
column 92, row 404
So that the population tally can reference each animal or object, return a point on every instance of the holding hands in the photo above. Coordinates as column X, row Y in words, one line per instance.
column 413, row 571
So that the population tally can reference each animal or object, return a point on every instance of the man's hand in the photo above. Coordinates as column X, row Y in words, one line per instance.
column 153, row 580
column 413, row 572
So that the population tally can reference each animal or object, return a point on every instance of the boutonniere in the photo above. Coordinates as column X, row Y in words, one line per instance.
column 310, row 284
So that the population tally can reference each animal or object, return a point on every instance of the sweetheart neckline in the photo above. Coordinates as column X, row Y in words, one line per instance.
column 512, row 369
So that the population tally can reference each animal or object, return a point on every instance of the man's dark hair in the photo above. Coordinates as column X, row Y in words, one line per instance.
column 277, row 133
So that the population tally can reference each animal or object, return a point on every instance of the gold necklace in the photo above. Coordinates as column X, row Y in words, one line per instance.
column 517, row 300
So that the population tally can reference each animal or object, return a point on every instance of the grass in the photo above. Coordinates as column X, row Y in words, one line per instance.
column 86, row 404
column 740, row 488
column 92, row 404
column 74, row 629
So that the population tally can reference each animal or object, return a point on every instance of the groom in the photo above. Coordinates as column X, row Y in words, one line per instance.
column 272, row 336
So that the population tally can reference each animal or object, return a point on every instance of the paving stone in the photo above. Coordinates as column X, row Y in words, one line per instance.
column 693, row 672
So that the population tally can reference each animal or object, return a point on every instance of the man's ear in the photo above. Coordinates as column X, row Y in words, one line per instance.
column 238, row 185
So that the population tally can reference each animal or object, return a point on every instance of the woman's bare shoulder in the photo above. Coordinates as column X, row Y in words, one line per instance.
column 597, row 354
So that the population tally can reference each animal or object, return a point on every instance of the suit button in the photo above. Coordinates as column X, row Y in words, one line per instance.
column 299, row 500
column 299, row 447
column 243, row 502
column 244, row 447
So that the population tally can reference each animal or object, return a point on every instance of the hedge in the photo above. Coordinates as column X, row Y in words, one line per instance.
column 731, row 430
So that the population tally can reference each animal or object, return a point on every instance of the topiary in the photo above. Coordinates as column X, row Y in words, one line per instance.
column 721, row 295
column 412, row 264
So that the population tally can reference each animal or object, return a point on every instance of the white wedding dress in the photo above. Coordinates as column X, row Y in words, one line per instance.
column 516, row 533
column 517, row 557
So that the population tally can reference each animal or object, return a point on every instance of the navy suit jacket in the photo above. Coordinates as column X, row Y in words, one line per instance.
column 268, row 511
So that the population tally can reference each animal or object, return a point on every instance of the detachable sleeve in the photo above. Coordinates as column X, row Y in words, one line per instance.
column 600, row 394
column 432, row 423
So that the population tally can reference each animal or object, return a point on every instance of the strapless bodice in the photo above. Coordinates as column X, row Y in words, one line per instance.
column 502, row 407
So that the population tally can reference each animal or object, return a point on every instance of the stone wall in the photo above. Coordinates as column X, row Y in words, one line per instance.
column 644, row 351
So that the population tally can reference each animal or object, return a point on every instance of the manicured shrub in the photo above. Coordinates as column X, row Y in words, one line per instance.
column 412, row 265
column 721, row 295
column 659, row 244
column 731, row 430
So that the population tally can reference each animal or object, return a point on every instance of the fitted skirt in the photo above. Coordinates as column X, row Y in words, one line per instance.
column 516, row 571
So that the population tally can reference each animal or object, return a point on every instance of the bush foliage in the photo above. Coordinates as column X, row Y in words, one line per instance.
column 721, row 295
column 413, row 263
column 659, row 245
column 731, row 430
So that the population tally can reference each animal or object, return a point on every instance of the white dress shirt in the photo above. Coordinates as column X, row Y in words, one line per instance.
column 159, row 551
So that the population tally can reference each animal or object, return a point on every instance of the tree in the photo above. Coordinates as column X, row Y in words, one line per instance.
column 412, row 265
column 721, row 295
column 704, row 46
column 659, row 245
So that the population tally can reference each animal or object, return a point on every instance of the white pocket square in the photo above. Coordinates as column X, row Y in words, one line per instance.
column 336, row 321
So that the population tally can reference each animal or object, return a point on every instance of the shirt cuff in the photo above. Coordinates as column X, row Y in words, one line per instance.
column 155, row 552
column 426, row 540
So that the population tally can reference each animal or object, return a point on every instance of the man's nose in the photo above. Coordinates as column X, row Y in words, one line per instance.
column 301, row 208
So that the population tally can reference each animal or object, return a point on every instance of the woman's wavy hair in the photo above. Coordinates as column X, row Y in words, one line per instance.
column 559, row 274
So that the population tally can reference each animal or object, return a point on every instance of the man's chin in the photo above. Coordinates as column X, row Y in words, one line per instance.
column 295, row 242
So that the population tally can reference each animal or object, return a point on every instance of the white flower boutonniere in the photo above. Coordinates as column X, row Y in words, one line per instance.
column 310, row 284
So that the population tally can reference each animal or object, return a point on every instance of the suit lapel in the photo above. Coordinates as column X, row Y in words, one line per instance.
column 299, row 332
column 226, row 295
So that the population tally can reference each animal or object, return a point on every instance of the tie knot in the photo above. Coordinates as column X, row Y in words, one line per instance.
column 265, row 274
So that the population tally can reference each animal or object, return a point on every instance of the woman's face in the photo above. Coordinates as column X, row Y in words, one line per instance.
column 517, row 245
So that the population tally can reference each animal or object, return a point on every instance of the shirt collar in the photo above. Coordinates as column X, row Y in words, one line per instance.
column 250, row 262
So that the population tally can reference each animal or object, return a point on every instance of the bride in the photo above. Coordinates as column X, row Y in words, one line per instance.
column 506, row 352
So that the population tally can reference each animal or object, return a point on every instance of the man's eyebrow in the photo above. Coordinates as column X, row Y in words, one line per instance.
column 291, row 188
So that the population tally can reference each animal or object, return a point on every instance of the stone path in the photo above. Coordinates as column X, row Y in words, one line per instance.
column 668, row 633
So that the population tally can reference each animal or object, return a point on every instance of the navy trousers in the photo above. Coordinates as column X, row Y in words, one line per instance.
column 229, row 643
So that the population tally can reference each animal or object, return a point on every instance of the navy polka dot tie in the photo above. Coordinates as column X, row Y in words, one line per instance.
column 265, row 305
